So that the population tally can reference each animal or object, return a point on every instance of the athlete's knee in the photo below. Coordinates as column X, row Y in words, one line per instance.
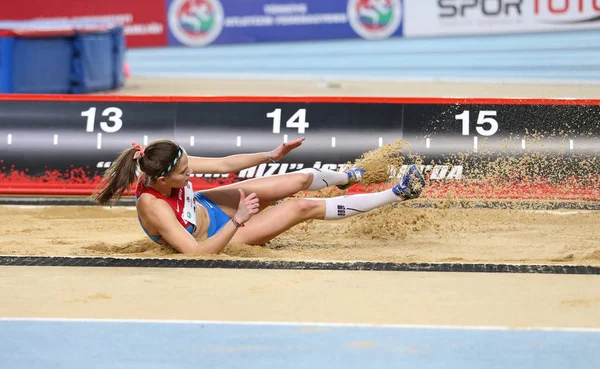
column 307, row 208
column 305, row 177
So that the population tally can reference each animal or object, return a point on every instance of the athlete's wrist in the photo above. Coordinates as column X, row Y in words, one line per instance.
column 270, row 157
column 236, row 223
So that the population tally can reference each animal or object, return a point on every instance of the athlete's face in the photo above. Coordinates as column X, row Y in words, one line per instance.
column 180, row 175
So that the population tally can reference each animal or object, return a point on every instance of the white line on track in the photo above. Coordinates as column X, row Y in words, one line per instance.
column 303, row 324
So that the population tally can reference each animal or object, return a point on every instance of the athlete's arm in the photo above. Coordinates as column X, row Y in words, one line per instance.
column 228, row 164
column 235, row 163
column 162, row 216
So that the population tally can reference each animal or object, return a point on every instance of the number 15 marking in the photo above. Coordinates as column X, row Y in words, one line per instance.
column 485, row 117
column 298, row 120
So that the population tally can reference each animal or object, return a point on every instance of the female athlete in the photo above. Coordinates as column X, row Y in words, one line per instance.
column 170, row 212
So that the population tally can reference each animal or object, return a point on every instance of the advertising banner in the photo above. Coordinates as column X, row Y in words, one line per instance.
column 198, row 23
column 144, row 21
column 204, row 22
column 472, row 17
column 536, row 148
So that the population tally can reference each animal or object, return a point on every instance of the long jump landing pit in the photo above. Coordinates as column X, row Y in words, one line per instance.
column 549, row 241
column 389, row 266
column 408, row 233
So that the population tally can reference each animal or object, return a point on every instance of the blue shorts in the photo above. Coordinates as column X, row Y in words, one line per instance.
column 217, row 217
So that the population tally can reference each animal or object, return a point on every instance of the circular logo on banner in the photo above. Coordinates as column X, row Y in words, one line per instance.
column 374, row 19
column 195, row 22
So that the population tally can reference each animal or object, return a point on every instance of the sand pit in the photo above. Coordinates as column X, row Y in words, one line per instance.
column 395, row 234
column 430, row 229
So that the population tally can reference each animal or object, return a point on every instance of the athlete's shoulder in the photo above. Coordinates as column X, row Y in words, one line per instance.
column 149, row 204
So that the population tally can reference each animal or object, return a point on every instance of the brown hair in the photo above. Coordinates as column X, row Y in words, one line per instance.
column 159, row 158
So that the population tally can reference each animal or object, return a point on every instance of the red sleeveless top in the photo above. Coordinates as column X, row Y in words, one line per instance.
column 176, row 202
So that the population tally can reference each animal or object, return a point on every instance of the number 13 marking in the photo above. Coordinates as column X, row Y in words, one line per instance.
column 113, row 114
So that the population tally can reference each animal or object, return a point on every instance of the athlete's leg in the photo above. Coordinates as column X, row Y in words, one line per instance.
column 266, row 225
column 275, row 188
column 273, row 221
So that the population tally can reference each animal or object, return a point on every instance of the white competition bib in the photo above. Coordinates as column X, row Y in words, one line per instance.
column 189, row 207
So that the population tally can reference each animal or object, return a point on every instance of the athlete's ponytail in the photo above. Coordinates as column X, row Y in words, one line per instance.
column 118, row 178
column 156, row 160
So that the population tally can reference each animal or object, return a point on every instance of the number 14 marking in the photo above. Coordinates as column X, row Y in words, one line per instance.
column 298, row 120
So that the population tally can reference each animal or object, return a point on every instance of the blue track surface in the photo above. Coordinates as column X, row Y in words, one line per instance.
column 566, row 56
column 76, row 344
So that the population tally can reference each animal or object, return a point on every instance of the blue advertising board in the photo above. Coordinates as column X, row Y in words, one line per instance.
column 198, row 23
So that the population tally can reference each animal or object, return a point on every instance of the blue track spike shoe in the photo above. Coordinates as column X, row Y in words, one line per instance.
column 354, row 176
column 411, row 184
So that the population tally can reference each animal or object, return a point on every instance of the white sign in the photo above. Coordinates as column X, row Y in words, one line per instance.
column 468, row 17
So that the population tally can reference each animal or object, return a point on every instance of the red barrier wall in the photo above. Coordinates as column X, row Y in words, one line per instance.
column 77, row 180
column 144, row 21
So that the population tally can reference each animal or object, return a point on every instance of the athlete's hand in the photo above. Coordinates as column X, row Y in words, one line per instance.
column 283, row 149
column 247, row 208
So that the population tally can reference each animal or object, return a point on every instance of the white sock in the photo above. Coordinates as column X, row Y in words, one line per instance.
column 347, row 206
column 325, row 178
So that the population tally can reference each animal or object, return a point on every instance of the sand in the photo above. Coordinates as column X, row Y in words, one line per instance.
column 388, row 234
